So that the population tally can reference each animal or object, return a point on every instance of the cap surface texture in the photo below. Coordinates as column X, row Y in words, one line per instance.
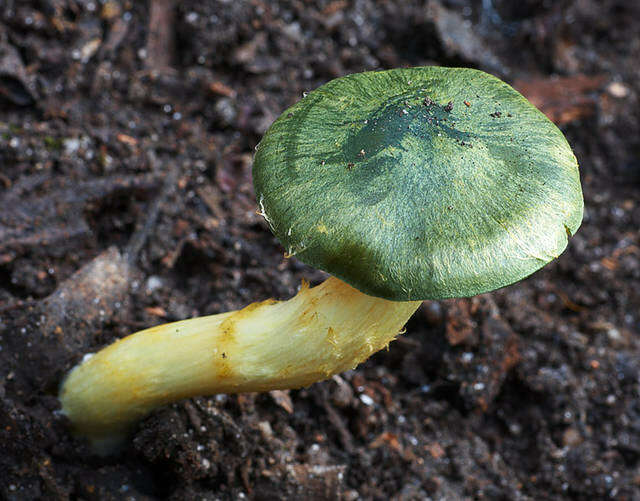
column 419, row 183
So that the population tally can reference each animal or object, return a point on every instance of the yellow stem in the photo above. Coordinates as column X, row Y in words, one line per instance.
column 265, row 346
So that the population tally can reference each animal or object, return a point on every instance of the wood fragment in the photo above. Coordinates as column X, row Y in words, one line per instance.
column 161, row 39
column 563, row 99
column 42, row 211
column 221, row 89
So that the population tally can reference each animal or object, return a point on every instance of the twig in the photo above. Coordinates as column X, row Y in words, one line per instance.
column 160, row 40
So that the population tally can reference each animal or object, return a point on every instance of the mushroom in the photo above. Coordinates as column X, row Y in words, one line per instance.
column 391, row 183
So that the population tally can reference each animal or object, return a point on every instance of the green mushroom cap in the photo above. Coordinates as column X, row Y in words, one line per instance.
column 419, row 183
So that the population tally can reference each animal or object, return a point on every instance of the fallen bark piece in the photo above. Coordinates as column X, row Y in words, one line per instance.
column 563, row 99
column 160, row 42
column 44, row 212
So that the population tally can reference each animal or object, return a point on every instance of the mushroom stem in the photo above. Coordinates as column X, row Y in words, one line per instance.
column 268, row 345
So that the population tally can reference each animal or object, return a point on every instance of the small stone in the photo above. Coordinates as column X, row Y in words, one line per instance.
column 366, row 399
column 571, row 437
column 618, row 90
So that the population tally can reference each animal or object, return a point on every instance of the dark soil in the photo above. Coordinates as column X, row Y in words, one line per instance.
column 126, row 138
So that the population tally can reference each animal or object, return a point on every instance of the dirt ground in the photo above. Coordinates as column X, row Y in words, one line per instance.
column 126, row 138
